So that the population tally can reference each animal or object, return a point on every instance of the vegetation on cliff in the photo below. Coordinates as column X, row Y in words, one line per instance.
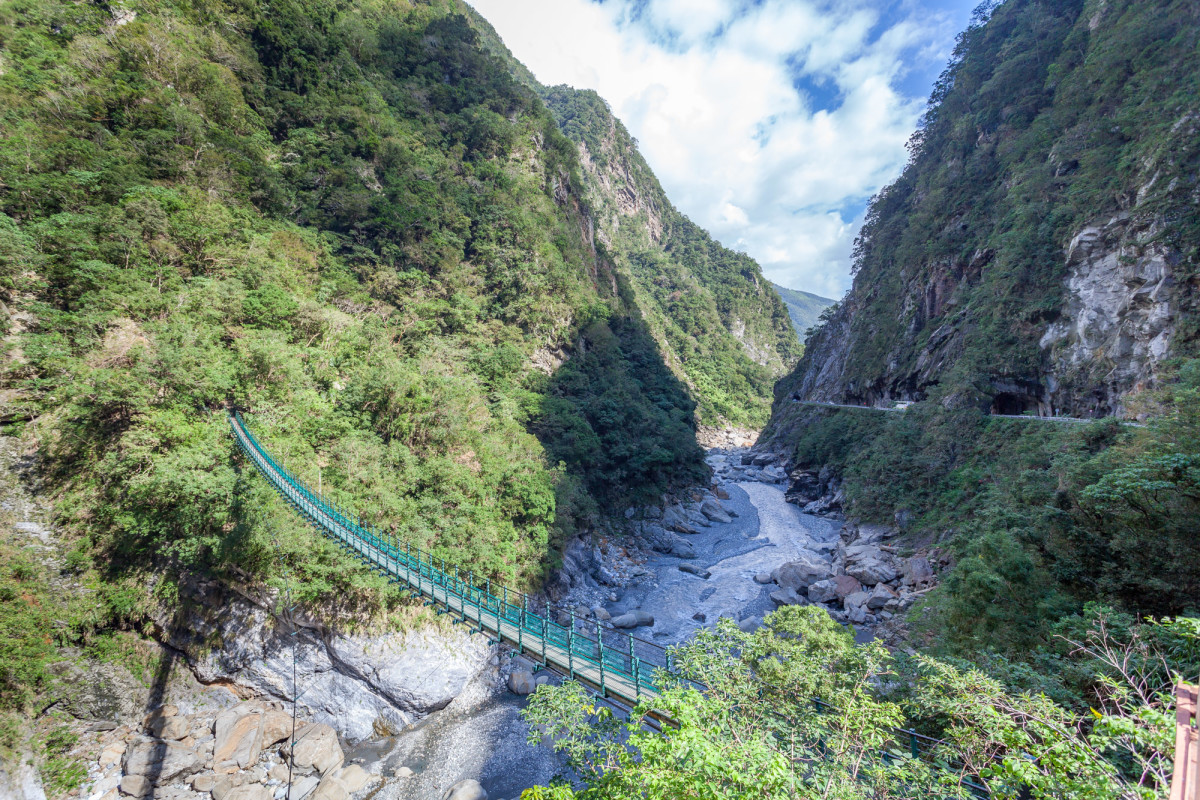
column 354, row 223
column 721, row 327
column 747, row 725
column 804, row 308
column 1050, row 116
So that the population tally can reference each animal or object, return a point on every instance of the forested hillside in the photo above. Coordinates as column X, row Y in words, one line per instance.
column 803, row 307
column 349, row 220
column 724, row 329
column 1039, row 255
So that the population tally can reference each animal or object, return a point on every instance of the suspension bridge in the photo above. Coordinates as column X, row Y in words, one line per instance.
column 613, row 663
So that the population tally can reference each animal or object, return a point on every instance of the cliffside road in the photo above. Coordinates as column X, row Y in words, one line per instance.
column 902, row 409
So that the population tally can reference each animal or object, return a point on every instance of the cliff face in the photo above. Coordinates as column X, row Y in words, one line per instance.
column 722, row 327
column 718, row 323
column 1039, row 253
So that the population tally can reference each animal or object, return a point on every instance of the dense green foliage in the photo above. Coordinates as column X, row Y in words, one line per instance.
column 746, row 725
column 1041, row 517
column 350, row 220
column 720, row 325
column 1051, row 117
column 804, row 308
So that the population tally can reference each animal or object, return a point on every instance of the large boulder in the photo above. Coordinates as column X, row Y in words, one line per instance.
column 855, row 606
column 330, row 788
column 676, row 519
column 834, row 590
column 162, row 760
column 465, row 790
column 883, row 596
column 317, row 747
column 692, row 569
column 238, row 732
column 172, row 728
column 917, row 572
column 803, row 572
column 355, row 777
column 681, row 548
column 712, row 509
column 787, row 597
column 633, row 619
column 824, row 591
column 276, row 726
column 521, row 682
column 869, row 564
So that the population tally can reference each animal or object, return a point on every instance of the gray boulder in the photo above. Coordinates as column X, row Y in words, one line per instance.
column 633, row 619
column 882, row 597
column 692, row 569
column 787, row 597
column 803, row 572
column 465, row 790
column 869, row 564
column 715, row 511
column 317, row 747
column 681, row 548
column 601, row 613
column 917, row 572
column 763, row 578
column 165, row 760
column 824, row 591
column 521, row 682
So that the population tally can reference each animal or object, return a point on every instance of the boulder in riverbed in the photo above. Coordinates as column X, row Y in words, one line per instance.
column 803, row 572
column 466, row 790
column 633, row 619
column 521, row 682
column 787, row 597
column 692, row 569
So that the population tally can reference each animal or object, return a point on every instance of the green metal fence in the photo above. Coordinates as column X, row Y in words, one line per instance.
column 617, row 662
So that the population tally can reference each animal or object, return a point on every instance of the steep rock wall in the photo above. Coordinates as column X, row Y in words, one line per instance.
column 1040, row 252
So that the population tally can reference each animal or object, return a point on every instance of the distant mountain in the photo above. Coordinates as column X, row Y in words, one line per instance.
column 803, row 307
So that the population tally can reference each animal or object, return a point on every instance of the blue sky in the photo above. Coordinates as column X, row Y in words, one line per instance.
column 769, row 122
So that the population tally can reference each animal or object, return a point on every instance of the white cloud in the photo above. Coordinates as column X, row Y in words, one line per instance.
column 769, row 124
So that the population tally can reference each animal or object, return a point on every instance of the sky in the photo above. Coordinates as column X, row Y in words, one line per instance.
column 770, row 123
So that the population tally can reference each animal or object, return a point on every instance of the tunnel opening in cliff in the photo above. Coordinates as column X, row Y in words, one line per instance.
column 1013, row 404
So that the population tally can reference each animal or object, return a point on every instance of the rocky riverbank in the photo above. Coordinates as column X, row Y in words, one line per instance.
column 434, row 712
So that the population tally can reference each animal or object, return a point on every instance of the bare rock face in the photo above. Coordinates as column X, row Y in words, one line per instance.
column 1120, row 311
column 351, row 682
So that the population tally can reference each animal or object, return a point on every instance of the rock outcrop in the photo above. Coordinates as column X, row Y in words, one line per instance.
column 358, row 684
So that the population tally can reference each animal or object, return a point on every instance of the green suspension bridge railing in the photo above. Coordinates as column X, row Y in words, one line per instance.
column 613, row 662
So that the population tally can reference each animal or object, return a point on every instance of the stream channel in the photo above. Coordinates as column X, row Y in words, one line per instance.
column 481, row 735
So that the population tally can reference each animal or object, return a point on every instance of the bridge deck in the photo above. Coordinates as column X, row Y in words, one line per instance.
column 611, row 662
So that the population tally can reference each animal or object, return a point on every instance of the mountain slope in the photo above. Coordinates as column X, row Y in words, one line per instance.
column 804, row 308
column 1039, row 253
column 350, row 220
column 713, row 314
